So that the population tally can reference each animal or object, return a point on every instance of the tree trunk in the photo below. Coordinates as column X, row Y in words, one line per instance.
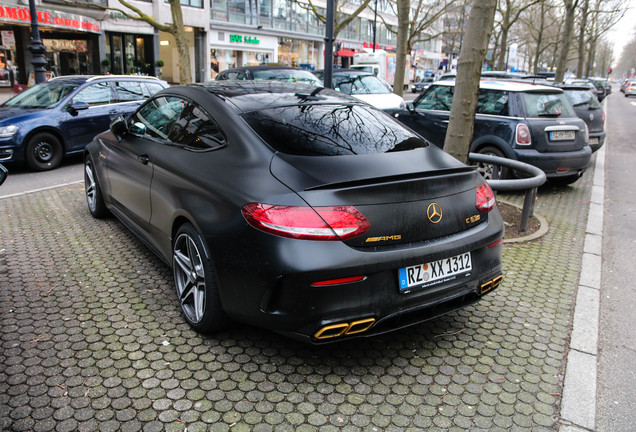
column 580, row 66
column 403, row 7
column 178, row 31
column 471, row 59
column 503, row 49
column 570, row 8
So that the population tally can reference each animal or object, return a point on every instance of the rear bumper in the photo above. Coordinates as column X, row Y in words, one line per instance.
column 271, row 287
column 597, row 139
column 557, row 164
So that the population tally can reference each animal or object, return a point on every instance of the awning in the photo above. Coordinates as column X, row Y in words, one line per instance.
column 346, row 53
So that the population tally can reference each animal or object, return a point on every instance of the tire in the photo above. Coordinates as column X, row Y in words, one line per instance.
column 43, row 152
column 488, row 170
column 195, row 282
column 93, row 191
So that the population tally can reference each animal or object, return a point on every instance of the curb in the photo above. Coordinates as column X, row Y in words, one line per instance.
column 578, row 405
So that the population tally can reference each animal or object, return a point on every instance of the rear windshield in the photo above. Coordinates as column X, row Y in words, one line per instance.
column 300, row 76
column 582, row 98
column 547, row 105
column 331, row 130
column 45, row 95
column 359, row 84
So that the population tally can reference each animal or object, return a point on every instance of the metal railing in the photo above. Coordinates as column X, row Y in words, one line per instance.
column 530, row 184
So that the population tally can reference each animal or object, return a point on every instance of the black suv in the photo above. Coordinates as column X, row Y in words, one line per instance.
column 530, row 123
column 46, row 122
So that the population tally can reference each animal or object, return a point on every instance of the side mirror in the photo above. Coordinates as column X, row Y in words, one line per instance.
column 410, row 107
column 118, row 125
column 3, row 174
column 79, row 106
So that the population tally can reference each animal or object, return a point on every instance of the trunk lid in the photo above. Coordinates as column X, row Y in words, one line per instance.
column 407, row 197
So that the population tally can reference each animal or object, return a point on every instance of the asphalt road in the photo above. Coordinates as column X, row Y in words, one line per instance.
column 616, row 402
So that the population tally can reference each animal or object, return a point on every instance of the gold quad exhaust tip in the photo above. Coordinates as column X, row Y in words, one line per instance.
column 337, row 330
column 494, row 283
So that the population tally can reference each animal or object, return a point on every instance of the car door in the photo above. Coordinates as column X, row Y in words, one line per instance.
column 131, row 160
column 80, row 126
column 431, row 113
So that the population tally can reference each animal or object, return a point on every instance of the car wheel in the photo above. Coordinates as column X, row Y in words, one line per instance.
column 195, row 282
column 43, row 152
column 93, row 191
column 490, row 171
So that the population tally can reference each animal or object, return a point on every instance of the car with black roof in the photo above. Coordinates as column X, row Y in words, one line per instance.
column 589, row 109
column 51, row 120
column 522, row 121
column 269, row 73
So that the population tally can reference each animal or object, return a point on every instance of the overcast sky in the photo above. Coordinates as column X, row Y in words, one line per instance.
column 623, row 31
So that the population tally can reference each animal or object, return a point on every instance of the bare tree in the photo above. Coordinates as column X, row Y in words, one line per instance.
column 570, row 7
column 539, row 28
column 471, row 58
column 343, row 10
column 176, row 29
column 510, row 11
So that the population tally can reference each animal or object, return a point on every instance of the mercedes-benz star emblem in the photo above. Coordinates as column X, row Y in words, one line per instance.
column 434, row 212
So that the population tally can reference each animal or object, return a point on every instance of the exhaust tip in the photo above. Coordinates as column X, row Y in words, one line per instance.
column 491, row 284
column 341, row 329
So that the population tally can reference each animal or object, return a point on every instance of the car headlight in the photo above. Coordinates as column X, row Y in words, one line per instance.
column 8, row 131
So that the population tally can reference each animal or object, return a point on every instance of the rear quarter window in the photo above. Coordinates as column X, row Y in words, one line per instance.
column 492, row 102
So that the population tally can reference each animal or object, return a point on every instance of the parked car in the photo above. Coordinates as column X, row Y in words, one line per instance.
column 364, row 86
column 588, row 108
column 587, row 83
column 600, row 84
column 630, row 89
column 624, row 85
column 269, row 73
column 311, row 214
column 51, row 120
column 526, row 122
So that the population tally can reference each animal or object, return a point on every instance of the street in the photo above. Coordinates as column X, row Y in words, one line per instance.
column 92, row 337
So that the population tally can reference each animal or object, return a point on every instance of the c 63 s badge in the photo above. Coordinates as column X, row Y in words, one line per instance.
column 473, row 219
column 383, row 238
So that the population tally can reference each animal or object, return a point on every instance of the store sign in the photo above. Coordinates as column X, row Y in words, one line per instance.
column 244, row 39
column 8, row 38
column 55, row 19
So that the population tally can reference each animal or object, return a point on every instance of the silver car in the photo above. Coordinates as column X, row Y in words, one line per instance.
column 630, row 88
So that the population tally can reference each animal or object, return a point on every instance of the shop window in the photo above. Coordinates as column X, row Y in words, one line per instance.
column 192, row 3
column 95, row 94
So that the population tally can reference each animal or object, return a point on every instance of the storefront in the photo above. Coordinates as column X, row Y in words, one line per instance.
column 72, row 42
column 235, row 48
column 300, row 53
column 129, row 54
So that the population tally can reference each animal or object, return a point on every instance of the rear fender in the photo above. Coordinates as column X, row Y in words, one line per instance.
column 493, row 141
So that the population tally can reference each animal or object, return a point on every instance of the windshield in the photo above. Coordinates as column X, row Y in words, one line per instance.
column 547, row 105
column 359, row 84
column 582, row 98
column 331, row 130
column 300, row 76
column 45, row 95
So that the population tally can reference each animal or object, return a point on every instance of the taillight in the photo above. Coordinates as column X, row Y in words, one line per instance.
column 484, row 198
column 523, row 134
column 603, row 117
column 317, row 223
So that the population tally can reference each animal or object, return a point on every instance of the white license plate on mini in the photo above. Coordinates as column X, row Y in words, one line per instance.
column 562, row 135
column 432, row 273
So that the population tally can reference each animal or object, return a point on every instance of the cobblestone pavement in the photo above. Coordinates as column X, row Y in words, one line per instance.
column 92, row 339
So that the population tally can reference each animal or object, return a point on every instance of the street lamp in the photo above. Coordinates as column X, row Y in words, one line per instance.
column 37, row 48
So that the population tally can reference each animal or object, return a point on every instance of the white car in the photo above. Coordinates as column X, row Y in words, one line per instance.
column 366, row 87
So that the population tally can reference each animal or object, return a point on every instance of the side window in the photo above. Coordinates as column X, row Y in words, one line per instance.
column 128, row 91
column 150, row 88
column 233, row 76
column 492, row 102
column 438, row 98
column 155, row 118
column 95, row 94
column 196, row 130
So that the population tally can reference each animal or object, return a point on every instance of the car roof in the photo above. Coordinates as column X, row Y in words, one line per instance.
column 248, row 95
column 87, row 78
column 346, row 72
column 513, row 86
column 264, row 67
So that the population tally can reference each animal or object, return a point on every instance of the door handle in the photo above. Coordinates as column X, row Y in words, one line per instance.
column 144, row 159
column 445, row 121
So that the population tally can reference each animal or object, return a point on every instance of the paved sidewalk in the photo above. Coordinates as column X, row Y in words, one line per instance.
column 91, row 338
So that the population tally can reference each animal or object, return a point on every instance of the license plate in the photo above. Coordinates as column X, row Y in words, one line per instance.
column 432, row 273
column 562, row 135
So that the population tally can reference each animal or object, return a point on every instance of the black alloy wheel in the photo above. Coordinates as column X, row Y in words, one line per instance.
column 195, row 282
column 43, row 152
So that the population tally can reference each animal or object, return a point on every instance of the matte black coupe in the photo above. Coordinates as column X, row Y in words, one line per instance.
column 298, row 209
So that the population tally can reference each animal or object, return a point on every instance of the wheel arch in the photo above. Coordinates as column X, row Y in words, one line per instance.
column 48, row 129
column 493, row 141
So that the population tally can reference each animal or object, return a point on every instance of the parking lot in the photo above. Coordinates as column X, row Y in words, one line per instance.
column 92, row 339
